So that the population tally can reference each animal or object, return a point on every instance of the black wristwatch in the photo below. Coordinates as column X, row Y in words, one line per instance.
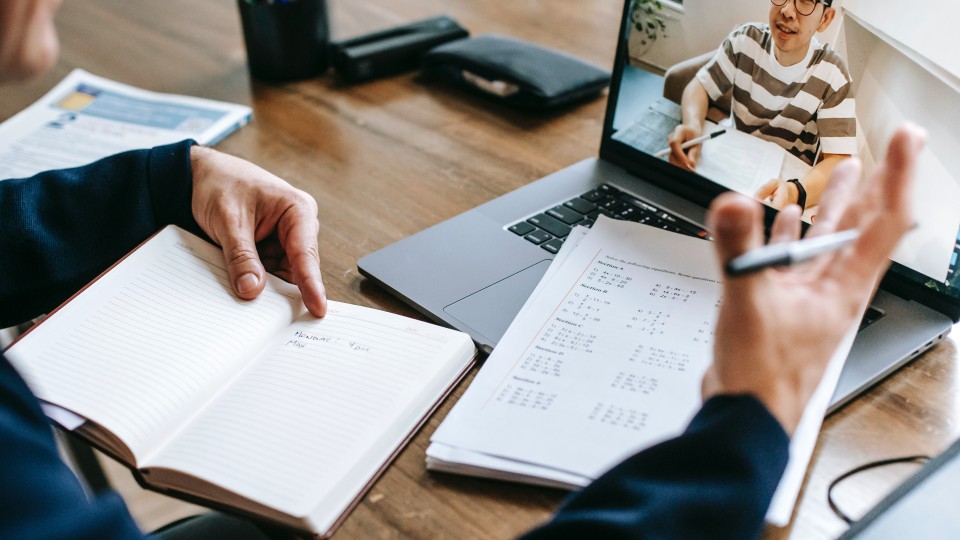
column 801, row 193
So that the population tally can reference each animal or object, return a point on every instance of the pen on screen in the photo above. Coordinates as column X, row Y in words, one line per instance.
column 666, row 151
column 789, row 253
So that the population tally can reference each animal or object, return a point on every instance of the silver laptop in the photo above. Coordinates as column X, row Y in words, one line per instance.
column 474, row 271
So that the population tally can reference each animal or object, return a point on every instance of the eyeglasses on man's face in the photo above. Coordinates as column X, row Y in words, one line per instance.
column 804, row 7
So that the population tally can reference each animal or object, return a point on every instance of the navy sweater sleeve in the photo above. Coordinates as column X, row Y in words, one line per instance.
column 39, row 496
column 714, row 481
column 60, row 229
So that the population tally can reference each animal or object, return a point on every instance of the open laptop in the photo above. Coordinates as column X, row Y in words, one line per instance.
column 474, row 271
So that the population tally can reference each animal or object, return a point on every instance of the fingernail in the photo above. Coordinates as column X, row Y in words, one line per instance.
column 247, row 283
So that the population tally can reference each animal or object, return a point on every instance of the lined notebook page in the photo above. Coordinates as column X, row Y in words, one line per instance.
column 148, row 343
column 328, row 396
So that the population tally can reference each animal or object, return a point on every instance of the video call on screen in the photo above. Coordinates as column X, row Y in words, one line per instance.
column 853, row 86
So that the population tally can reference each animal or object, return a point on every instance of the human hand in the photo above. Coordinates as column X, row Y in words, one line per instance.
column 777, row 329
column 681, row 134
column 778, row 193
column 251, row 214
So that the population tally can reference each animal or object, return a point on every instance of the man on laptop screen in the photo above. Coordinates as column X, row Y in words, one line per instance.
column 787, row 88
column 790, row 83
column 777, row 82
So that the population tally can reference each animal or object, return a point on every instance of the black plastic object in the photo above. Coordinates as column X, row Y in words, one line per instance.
column 286, row 39
column 392, row 51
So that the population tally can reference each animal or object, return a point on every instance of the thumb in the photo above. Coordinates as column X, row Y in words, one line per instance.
column 243, row 264
column 737, row 225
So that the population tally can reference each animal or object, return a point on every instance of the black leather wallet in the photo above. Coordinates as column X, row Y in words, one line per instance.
column 516, row 72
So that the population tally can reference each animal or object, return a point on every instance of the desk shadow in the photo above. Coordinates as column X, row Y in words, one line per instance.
column 379, row 91
column 382, row 299
column 451, row 97
column 502, row 491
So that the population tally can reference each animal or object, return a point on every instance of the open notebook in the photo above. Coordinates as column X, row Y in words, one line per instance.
column 257, row 406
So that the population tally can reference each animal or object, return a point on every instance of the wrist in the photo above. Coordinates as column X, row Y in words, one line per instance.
column 792, row 193
column 783, row 404
column 797, row 192
column 197, row 155
column 779, row 398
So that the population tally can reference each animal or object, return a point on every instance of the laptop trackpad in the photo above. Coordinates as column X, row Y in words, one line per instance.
column 491, row 309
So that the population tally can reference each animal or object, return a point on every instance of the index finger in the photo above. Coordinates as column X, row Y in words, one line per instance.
column 678, row 156
column 298, row 236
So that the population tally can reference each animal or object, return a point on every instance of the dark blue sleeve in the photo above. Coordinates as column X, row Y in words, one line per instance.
column 714, row 481
column 39, row 496
column 60, row 229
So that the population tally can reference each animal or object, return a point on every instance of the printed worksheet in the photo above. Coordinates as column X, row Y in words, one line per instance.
column 604, row 360
column 612, row 351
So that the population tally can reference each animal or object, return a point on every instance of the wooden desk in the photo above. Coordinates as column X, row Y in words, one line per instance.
column 389, row 158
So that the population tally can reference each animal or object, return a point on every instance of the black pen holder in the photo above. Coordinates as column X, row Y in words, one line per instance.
column 286, row 39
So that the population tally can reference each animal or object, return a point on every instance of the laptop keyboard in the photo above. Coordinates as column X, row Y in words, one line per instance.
column 549, row 229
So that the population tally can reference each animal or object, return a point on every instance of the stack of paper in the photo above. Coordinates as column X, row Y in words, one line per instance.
column 605, row 359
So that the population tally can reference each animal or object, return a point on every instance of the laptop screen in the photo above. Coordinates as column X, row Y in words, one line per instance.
column 777, row 98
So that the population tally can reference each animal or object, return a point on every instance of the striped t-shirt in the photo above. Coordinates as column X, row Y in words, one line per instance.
column 797, row 107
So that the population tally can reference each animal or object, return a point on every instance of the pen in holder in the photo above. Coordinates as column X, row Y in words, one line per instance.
column 286, row 39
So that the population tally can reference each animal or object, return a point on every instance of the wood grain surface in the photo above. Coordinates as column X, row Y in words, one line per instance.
column 391, row 157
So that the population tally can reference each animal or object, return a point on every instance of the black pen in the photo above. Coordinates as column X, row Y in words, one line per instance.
column 692, row 142
column 789, row 253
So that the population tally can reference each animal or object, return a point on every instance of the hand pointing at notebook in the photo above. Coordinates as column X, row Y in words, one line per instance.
column 777, row 329
column 260, row 221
